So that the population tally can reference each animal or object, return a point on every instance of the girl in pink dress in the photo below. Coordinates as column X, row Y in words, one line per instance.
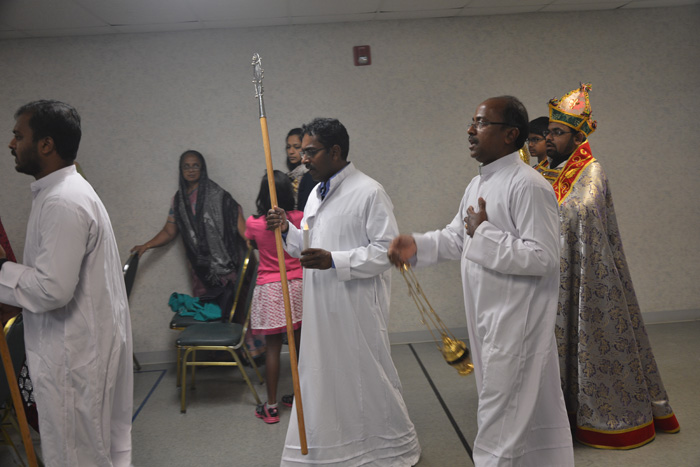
column 267, row 312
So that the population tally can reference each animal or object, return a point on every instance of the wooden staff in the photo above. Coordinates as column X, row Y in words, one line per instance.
column 17, row 400
column 258, row 77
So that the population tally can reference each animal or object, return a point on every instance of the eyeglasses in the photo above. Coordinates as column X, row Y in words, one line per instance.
column 195, row 167
column 555, row 132
column 535, row 140
column 481, row 124
column 310, row 152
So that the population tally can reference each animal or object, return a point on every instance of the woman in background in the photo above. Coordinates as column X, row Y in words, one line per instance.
column 268, row 312
column 302, row 183
column 296, row 169
column 212, row 227
column 211, row 224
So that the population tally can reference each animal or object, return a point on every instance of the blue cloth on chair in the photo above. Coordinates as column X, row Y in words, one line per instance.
column 186, row 305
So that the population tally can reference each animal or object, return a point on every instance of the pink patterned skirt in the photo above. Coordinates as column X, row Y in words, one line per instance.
column 267, row 312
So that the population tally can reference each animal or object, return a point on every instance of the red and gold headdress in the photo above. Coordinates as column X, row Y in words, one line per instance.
column 574, row 110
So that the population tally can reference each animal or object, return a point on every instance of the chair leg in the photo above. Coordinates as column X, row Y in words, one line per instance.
column 9, row 418
column 245, row 375
column 137, row 365
column 194, row 367
column 183, row 383
column 252, row 363
column 7, row 440
column 177, row 367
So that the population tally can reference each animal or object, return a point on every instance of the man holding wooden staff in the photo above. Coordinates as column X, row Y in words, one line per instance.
column 353, row 407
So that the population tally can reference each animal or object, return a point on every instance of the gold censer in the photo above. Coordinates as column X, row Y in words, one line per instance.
column 454, row 351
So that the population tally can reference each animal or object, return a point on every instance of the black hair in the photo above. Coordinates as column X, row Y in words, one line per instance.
column 293, row 132
column 329, row 132
column 515, row 114
column 285, row 194
column 56, row 120
column 539, row 125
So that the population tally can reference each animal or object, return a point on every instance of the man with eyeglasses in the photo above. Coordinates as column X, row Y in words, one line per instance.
column 506, row 235
column 353, row 407
column 536, row 139
column 611, row 383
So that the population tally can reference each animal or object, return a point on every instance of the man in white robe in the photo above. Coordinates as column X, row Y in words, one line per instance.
column 506, row 234
column 353, row 408
column 76, row 317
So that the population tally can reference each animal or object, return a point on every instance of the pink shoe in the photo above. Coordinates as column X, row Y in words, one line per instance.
column 268, row 415
column 288, row 400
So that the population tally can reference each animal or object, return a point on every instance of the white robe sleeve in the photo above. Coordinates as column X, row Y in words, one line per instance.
column 50, row 283
column 535, row 251
column 371, row 259
column 293, row 242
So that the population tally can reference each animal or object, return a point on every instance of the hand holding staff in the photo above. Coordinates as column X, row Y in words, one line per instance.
column 258, row 76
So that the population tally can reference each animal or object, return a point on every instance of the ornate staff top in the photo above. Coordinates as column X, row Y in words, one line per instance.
column 257, row 81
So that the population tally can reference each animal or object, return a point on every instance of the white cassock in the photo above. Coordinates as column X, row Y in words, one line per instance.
column 353, row 407
column 510, row 275
column 76, row 324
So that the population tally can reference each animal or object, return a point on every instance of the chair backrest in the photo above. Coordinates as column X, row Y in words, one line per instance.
column 240, row 280
column 130, row 272
column 14, row 335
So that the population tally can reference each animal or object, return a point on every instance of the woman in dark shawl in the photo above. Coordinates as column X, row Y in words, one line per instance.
column 212, row 227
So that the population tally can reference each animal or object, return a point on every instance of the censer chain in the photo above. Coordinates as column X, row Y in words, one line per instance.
column 424, row 308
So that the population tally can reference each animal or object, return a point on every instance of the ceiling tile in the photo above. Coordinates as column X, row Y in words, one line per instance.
column 579, row 2
column 506, row 10
column 506, row 3
column 227, row 10
column 124, row 12
column 418, row 14
column 411, row 5
column 30, row 15
column 70, row 32
column 333, row 18
column 578, row 6
column 332, row 7
column 10, row 34
column 659, row 3
column 163, row 27
column 246, row 23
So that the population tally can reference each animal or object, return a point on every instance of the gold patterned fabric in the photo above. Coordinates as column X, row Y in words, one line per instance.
column 612, row 386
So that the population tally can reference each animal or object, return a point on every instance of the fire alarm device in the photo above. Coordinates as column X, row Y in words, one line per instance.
column 362, row 55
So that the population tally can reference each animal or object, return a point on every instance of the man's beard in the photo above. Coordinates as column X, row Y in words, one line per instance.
column 28, row 164
column 557, row 157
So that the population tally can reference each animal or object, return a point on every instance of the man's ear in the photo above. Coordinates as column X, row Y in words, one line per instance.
column 512, row 135
column 579, row 138
column 46, row 145
column 335, row 151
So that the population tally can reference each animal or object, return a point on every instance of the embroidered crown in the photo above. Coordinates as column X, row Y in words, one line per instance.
column 574, row 110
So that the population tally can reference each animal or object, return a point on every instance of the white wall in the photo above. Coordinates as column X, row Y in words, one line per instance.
column 144, row 98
